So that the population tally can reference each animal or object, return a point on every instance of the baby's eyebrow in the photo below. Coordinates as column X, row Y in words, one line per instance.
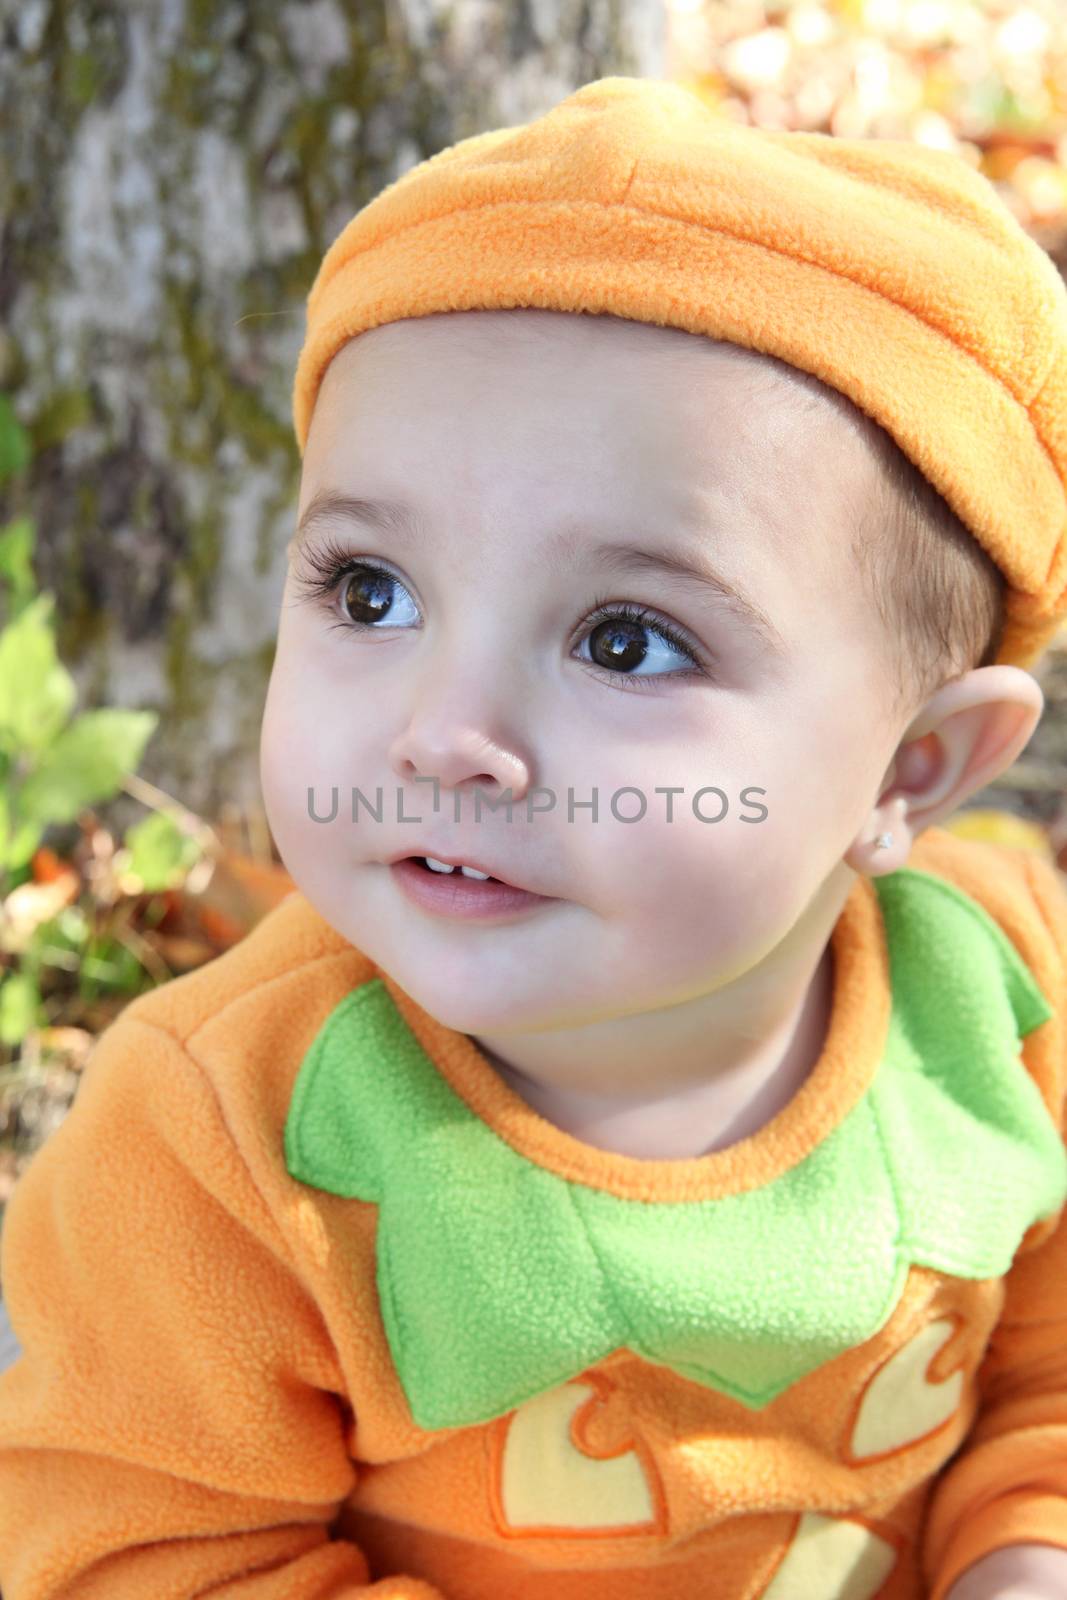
column 616, row 556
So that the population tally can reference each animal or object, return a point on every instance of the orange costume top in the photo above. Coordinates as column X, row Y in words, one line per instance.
column 313, row 1306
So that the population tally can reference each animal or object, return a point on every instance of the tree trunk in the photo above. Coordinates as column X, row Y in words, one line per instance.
column 171, row 176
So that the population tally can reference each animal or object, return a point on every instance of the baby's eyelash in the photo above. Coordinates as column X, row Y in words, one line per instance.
column 331, row 562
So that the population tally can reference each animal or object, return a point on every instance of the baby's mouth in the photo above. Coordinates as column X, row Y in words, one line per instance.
column 458, row 869
column 445, row 888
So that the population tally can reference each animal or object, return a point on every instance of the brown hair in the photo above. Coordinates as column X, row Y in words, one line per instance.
column 939, row 595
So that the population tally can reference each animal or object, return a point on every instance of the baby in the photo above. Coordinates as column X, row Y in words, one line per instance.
column 670, row 1204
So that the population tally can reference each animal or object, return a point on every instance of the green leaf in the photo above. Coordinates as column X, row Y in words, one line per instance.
column 18, row 840
column 14, row 442
column 37, row 693
column 109, row 967
column 86, row 763
column 25, row 837
column 73, row 925
column 19, row 1002
column 160, row 853
column 16, row 566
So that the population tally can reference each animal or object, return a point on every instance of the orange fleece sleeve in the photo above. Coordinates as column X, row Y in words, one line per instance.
column 176, row 1423
column 1007, row 1485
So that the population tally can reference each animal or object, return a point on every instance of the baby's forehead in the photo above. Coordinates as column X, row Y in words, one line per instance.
column 739, row 385
column 793, row 455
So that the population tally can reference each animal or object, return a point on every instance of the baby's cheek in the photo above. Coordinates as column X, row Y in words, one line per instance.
column 716, row 894
column 702, row 848
column 290, row 763
column 276, row 764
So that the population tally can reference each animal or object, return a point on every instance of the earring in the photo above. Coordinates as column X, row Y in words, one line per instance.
column 883, row 841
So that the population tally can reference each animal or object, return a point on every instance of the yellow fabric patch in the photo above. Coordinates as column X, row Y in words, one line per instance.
column 548, row 1482
column 832, row 1556
column 901, row 1404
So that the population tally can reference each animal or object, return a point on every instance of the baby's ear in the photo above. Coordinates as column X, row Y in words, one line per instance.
column 968, row 733
column 982, row 722
column 1007, row 711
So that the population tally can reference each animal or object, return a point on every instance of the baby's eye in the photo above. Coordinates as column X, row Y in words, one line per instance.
column 616, row 644
column 368, row 596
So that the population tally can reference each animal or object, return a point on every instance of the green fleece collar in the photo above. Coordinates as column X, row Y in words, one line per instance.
column 498, row 1279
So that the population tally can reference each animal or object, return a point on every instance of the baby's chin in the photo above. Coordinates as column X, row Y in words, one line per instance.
column 495, row 996
column 476, row 995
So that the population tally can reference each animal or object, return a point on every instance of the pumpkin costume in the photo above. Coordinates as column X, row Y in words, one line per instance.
column 329, row 1311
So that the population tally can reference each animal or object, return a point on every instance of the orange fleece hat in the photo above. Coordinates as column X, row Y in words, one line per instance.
column 891, row 271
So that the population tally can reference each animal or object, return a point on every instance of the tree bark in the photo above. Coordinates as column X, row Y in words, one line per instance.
column 171, row 174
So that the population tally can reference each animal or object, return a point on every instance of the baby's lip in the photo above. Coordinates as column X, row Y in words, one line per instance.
column 463, row 861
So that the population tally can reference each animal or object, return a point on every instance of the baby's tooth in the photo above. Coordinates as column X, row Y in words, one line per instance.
column 443, row 866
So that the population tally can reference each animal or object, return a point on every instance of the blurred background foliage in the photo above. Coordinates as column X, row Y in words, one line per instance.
column 170, row 178
column 983, row 79
column 87, row 919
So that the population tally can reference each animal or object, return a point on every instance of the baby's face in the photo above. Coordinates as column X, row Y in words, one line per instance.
column 518, row 449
